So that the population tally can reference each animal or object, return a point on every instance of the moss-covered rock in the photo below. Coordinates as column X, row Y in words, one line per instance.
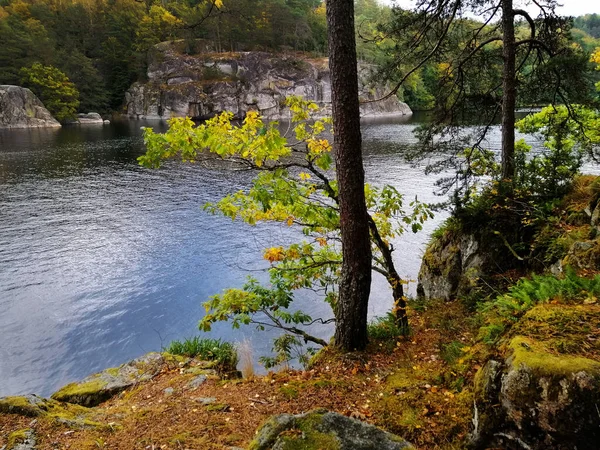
column 489, row 242
column 21, row 440
column 100, row 387
column 451, row 265
column 27, row 405
column 74, row 416
column 545, row 392
column 583, row 255
column 323, row 430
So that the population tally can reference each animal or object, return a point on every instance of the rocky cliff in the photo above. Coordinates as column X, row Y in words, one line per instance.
column 465, row 258
column 20, row 108
column 205, row 84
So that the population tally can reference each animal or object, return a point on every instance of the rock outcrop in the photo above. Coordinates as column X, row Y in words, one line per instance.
column 451, row 265
column 99, row 387
column 321, row 429
column 73, row 416
column 206, row 84
column 464, row 257
column 21, row 440
column 90, row 118
column 20, row 108
column 546, row 391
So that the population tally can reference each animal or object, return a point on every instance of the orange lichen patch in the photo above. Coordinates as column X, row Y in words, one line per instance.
column 406, row 388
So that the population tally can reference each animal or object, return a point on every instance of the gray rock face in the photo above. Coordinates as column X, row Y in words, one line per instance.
column 20, row 108
column 99, row 387
column 203, row 85
column 450, row 267
column 323, row 429
column 91, row 118
column 536, row 400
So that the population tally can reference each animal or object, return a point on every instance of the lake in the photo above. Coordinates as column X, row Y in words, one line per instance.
column 102, row 260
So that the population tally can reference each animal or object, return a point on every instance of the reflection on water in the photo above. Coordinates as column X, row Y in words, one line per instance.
column 101, row 260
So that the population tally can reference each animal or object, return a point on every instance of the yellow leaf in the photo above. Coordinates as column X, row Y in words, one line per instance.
column 274, row 254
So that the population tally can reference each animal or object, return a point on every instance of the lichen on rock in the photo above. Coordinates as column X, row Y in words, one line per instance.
column 99, row 387
column 205, row 84
column 323, row 430
column 546, row 391
column 20, row 108
column 21, row 440
column 74, row 416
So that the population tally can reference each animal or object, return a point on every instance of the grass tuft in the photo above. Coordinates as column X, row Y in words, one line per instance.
column 385, row 327
column 208, row 350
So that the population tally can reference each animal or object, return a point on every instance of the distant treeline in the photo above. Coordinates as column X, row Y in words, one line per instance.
column 102, row 45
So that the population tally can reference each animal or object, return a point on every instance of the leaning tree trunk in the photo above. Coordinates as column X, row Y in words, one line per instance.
column 355, row 281
column 509, row 94
column 394, row 280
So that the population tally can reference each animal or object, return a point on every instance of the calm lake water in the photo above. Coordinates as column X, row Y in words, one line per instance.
column 102, row 261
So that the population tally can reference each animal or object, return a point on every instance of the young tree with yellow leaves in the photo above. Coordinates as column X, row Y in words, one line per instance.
column 294, row 186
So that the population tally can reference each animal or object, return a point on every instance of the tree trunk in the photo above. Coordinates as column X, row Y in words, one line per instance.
column 355, row 281
column 399, row 310
column 509, row 92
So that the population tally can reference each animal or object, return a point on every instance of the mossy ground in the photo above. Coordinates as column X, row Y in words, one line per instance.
column 406, row 388
column 82, row 390
column 17, row 437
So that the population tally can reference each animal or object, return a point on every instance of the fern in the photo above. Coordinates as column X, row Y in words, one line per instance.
column 505, row 310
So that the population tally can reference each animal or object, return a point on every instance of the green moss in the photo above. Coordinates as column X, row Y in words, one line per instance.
column 179, row 438
column 217, row 407
column 532, row 354
column 50, row 410
column 19, row 405
column 312, row 440
column 563, row 328
column 75, row 416
column 307, row 436
column 204, row 370
column 17, row 437
column 74, row 391
column 114, row 371
column 409, row 377
column 233, row 438
column 289, row 392
column 177, row 359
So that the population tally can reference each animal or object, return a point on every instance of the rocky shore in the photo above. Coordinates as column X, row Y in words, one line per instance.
column 20, row 108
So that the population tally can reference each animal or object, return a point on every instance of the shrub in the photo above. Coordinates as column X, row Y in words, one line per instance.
column 53, row 88
column 501, row 313
column 386, row 327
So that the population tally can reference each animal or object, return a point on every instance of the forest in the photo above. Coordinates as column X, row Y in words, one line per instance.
column 101, row 47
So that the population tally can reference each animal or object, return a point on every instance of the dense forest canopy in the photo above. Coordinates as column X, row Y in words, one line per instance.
column 102, row 46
